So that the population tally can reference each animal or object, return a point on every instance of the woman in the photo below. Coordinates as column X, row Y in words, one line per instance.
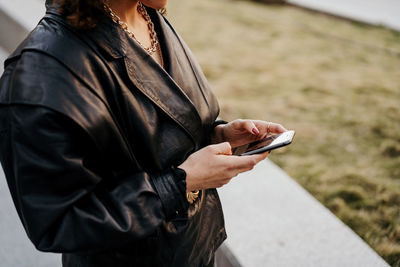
column 109, row 139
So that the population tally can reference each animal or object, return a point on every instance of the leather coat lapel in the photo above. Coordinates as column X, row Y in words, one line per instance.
column 186, row 73
column 147, row 76
column 179, row 91
column 182, row 93
column 153, row 81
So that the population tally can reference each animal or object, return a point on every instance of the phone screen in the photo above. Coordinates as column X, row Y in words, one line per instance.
column 261, row 143
column 268, row 143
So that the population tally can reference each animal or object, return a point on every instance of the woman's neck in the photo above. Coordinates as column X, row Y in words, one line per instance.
column 127, row 11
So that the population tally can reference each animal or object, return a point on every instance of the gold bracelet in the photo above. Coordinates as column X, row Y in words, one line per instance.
column 192, row 196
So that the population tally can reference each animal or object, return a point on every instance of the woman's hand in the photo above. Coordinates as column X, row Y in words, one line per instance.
column 213, row 166
column 240, row 132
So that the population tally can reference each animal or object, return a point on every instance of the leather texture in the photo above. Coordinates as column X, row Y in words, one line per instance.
column 91, row 128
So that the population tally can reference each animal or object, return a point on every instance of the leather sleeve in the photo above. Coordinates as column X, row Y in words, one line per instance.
column 63, row 202
column 218, row 122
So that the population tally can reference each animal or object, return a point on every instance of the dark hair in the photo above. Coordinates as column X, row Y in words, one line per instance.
column 85, row 14
column 82, row 14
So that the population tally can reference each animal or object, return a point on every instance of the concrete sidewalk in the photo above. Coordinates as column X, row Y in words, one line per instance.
column 3, row 56
column 18, row 17
column 376, row 12
column 272, row 221
column 15, row 248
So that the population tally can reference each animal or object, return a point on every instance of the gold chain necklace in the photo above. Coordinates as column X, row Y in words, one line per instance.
column 153, row 36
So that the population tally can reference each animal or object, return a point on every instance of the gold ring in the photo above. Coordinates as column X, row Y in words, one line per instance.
column 268, row 126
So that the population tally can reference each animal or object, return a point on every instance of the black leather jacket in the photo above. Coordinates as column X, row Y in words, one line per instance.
column 90, row 129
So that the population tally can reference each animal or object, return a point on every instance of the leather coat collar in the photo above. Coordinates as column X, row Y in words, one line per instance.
column 158, row 84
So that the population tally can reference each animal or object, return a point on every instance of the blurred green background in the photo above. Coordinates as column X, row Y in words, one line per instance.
column 337, row 83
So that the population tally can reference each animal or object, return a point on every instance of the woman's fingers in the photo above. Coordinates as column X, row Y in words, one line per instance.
column 270, row 127
column 255, row 127
column 245, row 163
column 247, row 125
column 277, row 128
column 251, row 127
column 221, row 149
column 213, row 166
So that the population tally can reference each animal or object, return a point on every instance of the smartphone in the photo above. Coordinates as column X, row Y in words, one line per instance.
column 267, row 144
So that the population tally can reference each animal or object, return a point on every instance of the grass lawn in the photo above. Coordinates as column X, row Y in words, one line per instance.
column 335, row 82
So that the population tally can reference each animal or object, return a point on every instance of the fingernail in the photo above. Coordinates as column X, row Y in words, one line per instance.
column 255, row 131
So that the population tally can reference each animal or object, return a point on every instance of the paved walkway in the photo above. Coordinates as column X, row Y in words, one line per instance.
column 15, row 248
column 272, row 221
column 26, row 12
column 3, row 56
column 377, row 12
